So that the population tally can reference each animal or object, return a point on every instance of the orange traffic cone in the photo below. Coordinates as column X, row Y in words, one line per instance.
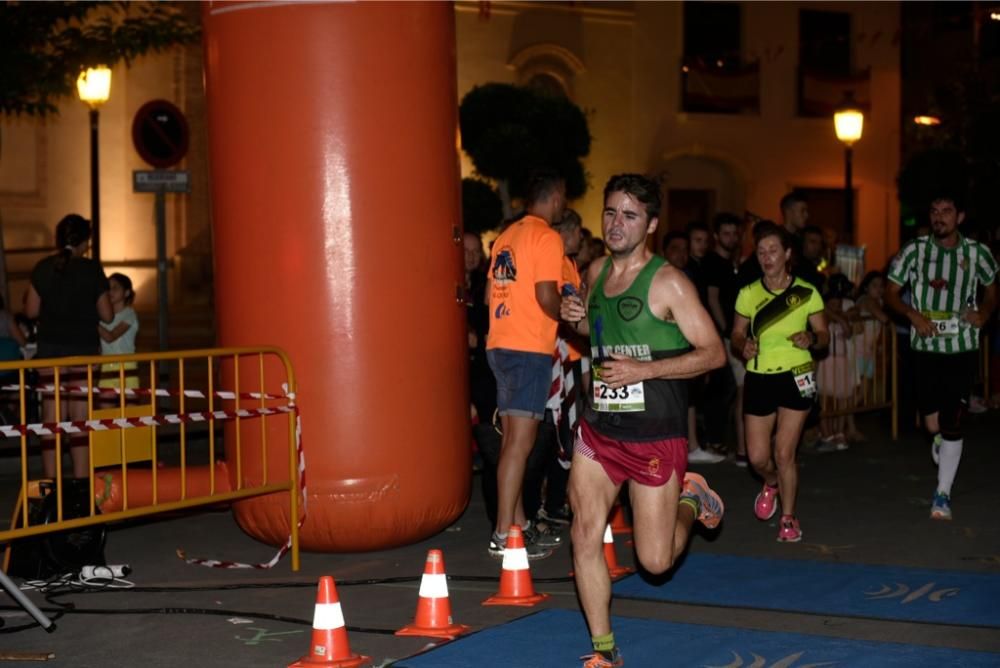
column 614, row 570
column 515, row 578
column 618, row 522
column 433, row 608
column 329, row 638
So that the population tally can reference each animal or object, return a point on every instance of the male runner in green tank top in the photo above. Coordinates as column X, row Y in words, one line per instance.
column 649, row 333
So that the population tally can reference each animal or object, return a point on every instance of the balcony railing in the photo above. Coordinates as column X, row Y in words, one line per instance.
column 820, row 94
column 720, row 87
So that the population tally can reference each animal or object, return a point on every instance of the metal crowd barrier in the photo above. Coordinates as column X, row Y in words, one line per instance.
column 133, row 430
column 859, row 373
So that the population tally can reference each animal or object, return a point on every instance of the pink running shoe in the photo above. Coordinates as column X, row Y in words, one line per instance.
column 789, row 531
column 765, row 506
column 710, row 504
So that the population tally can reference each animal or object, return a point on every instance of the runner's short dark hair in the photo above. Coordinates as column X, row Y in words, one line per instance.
column 642, row 188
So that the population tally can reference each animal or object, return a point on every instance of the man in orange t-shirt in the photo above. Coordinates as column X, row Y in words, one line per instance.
column 525, row 271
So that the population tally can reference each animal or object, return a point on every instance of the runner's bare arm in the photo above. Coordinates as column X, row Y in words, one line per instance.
column 741, row 345
column 818, row 338
column 672, row 293
column 895, row 302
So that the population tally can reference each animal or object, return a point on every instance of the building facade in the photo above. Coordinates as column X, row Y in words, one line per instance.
column 729, row 103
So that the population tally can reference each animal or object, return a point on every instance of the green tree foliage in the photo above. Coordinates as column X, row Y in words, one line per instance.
column 45, row 45
column 510, row 130
column 482, row 209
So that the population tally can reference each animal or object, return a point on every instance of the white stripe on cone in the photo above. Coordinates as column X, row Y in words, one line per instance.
column 328, row 616
column 515, row 559
column 434, row 586
column 608, row 538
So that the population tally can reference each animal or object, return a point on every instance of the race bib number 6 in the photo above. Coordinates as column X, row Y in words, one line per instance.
column 625, row 399
column 947, row 327
column 945, row 324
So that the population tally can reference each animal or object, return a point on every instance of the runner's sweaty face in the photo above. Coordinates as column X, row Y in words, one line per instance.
column 773, row 257
column 625, row 223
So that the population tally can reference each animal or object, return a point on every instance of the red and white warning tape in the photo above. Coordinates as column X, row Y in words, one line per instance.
column 109, row 424
column 138, row 392
column 283, row 550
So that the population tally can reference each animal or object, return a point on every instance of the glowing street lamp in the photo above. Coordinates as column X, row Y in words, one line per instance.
column 94, row 88
column 848, row 122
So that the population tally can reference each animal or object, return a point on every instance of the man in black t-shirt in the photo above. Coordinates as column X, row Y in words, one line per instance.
column 699, row 238
column 721, row 276
column 806, row 265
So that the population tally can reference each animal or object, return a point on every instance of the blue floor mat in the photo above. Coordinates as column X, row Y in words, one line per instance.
column 846, row 590
column 554, row 638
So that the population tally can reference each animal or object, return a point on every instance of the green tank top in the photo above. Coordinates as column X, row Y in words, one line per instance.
column 625, row 325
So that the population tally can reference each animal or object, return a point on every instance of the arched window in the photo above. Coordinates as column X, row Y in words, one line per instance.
column 549, row 68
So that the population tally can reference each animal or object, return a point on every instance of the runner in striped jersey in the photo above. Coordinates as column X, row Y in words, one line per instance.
column 945, row 271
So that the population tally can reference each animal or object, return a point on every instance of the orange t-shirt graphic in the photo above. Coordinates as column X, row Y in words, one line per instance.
column 527, row 252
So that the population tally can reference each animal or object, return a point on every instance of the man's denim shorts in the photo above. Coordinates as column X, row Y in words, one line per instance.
column 523, row 381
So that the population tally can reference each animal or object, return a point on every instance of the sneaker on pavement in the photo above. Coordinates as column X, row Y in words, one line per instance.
column 789, row 531
column 543, row 535
column 936, row 449
column 562, row 516
column 941, row 507
column 534, row 551
column 742, row 461
column 834, row 443
column 701, row 456
column 710, row 504
column 765, row 505
column 600, row 660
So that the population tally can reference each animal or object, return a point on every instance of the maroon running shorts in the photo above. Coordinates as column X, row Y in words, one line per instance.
column 647, row 462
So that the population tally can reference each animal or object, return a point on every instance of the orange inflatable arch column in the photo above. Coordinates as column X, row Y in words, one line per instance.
column 335, row 198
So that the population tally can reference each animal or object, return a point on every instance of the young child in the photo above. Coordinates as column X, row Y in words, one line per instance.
column 118, row 337
column 871, row 319
column 836, row 375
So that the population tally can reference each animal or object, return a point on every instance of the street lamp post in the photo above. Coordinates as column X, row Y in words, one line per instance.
column 848, row 121
column 94, row 87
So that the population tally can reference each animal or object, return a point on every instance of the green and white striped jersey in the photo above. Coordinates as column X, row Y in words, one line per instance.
column 943, row 283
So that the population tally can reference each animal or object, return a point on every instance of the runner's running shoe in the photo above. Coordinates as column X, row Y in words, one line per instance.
column 709, row 503
column 789, row 531
column 599, row 660
column 543, row 535
column 765, row 505
column 941, row 507
column 534, row 550
column 702, row 456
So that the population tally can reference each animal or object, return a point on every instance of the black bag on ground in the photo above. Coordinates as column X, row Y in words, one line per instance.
column 52, row 554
